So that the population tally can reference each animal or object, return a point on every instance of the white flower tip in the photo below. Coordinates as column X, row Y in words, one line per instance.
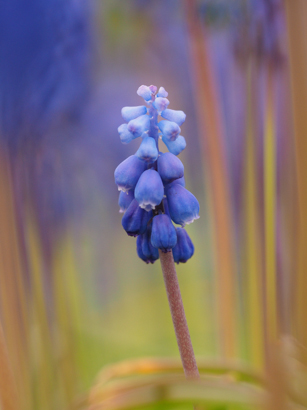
column 191, row 220
column 148, row 207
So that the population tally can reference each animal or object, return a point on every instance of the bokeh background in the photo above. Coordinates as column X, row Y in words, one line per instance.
column 74, row 296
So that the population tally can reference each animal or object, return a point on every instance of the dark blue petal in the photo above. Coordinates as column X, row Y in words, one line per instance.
column 177, row 146
column 148, row 150
column 130, row 113
column 135, row 219
column 170, row 167
column 124, row 134
column 128, row 173
column 184, row 248
column 139, row 241
column 165, row 206
column 139, row 125
column 180, row 181
column 170, row 130
column 183, row 206
column 174, row 115
column 124, row 200
column 163, row 234
column 145, row 250
column 149, row 190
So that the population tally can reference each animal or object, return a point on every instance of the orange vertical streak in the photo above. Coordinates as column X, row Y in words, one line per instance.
column 251, row 243
column 209, row 126
column 12, row 289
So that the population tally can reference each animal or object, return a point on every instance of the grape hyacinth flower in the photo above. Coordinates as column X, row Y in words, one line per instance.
column 153, row 197
column 152, row 175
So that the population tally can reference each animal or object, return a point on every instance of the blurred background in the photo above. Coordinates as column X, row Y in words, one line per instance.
column 74, row 296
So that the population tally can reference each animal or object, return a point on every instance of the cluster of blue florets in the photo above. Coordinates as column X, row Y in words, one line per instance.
column 152, row 183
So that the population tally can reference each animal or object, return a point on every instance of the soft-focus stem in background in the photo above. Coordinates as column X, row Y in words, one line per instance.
column 269, row 214
column 296, row 11
column 252, row 253
column 209, row 120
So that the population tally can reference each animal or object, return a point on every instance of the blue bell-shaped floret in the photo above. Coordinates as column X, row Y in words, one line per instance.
column 174, row 115
column 180, row 181
column 184, row 248
column 163, row 233
column 170, row 130
column 149, row 190
column 130, row 113
column 170, row 167
column 139, row 125
column 128, row 173
column 144, row 92
column 183, row 206
column 124, row 200
column 148, row 150
column 162, row 92
column 135, row 219
column 124, row 134
column 145, row 250
column 160, row 104
column 177, row 146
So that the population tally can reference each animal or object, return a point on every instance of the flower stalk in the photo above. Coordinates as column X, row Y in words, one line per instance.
column 178, row 315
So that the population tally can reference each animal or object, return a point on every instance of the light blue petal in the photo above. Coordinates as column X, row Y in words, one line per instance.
column 174, row 115
column 177, row 146
column 144, row 92
column 153, row 89
column 130, row 113
column 139, row 125
column 160, row 104
column 124, row 134
column 162, row 92
column 170, row 130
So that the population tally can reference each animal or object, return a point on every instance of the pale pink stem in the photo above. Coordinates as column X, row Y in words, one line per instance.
column 178, row 315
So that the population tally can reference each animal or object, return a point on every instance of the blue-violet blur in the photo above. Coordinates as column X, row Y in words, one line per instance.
column 153, row 196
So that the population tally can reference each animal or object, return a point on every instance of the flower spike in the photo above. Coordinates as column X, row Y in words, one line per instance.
column 153, row 185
